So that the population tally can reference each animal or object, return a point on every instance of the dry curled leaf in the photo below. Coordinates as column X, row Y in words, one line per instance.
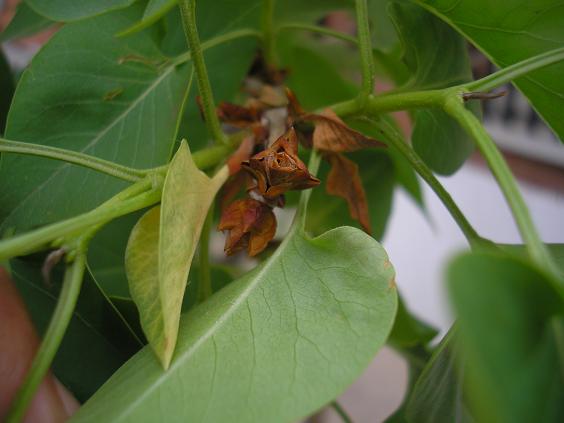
column 251, row 225
column 333, row 135
column 278, row 168
column 243, row 153
column 344, row 181
column 239, row 116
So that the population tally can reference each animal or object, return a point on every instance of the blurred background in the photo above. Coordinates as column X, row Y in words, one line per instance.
column 420, row 243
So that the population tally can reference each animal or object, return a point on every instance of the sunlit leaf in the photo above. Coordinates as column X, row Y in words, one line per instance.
column 161, row 248
column 278, row 343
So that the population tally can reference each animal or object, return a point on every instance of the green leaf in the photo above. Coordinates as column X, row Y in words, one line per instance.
column 72, row 10
column 437, row 57
column 161, row 248
column 119, row 99
column 437, row 395
column 510, row 320
column 97, row 342
column 276, row 344
column 6, row 90
column 408, row 330
column 384, row 36
column 377, row 175
column 555, row 250
column 25, row 22
column 510, row 31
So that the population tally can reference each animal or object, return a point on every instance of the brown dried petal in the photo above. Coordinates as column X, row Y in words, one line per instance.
column 333, row 135
column 239, row 116
column 279, row 169
column 251, row 225
column 344, row 181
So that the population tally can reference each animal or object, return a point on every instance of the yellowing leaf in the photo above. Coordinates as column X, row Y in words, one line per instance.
column 161, row 248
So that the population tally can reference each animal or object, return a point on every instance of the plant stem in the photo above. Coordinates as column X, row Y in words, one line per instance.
column 267, row 27
column 318, row 29
column 365, row 46
column 397, row 141
column 537, row 250
column 188, row 13
column 205, row 288
column 341, row 412
column 91, row 162
column 53, row 336
column 516, row 70
column 313, row 168
column 220, row 39
column 115, row 207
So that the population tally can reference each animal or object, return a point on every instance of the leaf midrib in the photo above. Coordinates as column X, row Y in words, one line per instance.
column 294, row 231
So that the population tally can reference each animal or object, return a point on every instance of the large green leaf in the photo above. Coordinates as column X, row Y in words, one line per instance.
column 555, row 250
column 25, row 22
column 90, row 92
column 510, row 319
column 70, row 10
column 6, row 90
column 161, row 248
column 273, row 346
column 97, row 340
column 510, row 31
column 436, row 57
column 437, row 395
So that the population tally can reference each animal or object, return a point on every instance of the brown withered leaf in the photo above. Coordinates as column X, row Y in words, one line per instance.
column 344, row 181
column 243, row 153
column 278, row 168
column 251, row 225
column 333, row 135
column 295, row 110
column 238, row 116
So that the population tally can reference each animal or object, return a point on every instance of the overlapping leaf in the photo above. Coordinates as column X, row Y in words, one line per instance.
column 510, row 31
column 87, row 91
column 25, row 22
column 310, row 318
column 510, row 319
column 161, row 248
column 436, row 57
column 71, row 10
column 97, row 342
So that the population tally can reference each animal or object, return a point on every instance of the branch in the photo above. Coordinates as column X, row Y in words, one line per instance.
column 53, row 336
column 365, row 46
column 394, row 137
column 267, row 27
column 188, row 12
column 536, row 248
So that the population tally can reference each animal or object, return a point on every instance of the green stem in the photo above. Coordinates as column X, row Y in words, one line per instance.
column 220, row 39
column 267, row 27
column 188, row 13
column 516, row 70
column 365, row 46
column 53, row 336
column 91, row 162
column 397, row 141
column 205, row 288
column 341, row 412
column 113, row 208
column 537, row 250
column 313, row 167
column 318, row 29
